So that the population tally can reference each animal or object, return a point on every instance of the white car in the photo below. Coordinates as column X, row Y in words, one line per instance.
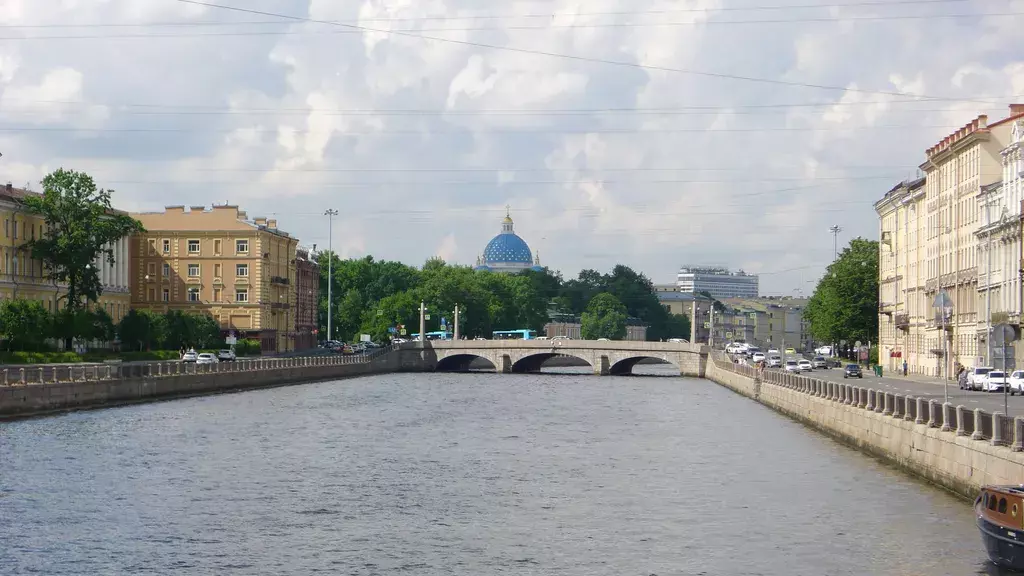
column 792, row 366
column 773, row 351
column 189, row 356
column 805, row 365
column 976, row 376
column 758, row 357
column 206, row 358
column 823, row 350
column 775, row 361
column 226, row 355
column 994, row 381
column 1017, row 382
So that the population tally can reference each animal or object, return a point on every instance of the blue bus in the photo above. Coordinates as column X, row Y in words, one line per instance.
column 435, row 336
column 514, row 335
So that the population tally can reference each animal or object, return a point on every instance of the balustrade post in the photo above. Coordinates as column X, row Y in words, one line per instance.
column 949, row 419
column 919, row 419
column 42, row 378
column 21, row 376
column 978, row 425
column 898, row 405
column 6, row 382
column 851, row 396
column 879, row 401
column 933, row 409
column 887, row 408
column 862, row 397
column 871, row 400
column 1018, row 432
column 997, row 429
column 961, row 420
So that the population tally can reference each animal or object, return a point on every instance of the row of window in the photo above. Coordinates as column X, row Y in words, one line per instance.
column 195, row 270
column 194, row 246
column 241, row 295
column 28, row 231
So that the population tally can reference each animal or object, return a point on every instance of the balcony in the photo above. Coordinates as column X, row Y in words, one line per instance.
column 283, row 281
column 886, row 308
column 902, row 321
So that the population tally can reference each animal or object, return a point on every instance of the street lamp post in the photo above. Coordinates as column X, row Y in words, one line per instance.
column 331, row 213
column 944, row 308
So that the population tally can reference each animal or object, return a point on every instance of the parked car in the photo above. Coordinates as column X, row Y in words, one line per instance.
column 347, row 349
column 792, row 366
column 823, row 350
column 189, row 356
column 852, row 371
column 206, row 358
column 226, row 355
column 805, row 365
column 975, row 376
column 1017, row 382
column 679, row 340
column 820, row 362
column 775, row 361
column 994, row 381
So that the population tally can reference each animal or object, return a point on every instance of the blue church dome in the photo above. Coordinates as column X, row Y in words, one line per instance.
column 507, row 252
column 508, row 247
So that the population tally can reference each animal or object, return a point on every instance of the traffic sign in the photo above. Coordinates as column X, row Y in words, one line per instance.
column 707, row 324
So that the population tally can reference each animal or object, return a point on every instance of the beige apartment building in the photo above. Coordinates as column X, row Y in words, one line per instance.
column 929, row 246
column 218, row 260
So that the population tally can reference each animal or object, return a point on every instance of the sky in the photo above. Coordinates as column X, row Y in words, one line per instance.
column 651, row 133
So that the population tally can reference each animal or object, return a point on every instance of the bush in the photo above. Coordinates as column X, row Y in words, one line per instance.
column 39, row 357
column 248, row 347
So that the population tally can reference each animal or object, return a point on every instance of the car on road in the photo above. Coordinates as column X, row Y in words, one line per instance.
column 679, row 340
column 790, row 352
column 189, row 356
column 206, row 358
column 751, row 350
column 226, row 355
column 1017, row 382
column 995, row 381
column 852, row 371
column 805, row 365
column 775, row 361
column 347, row 349
column 976, row 376
column 820, row 362
column 823, row 350
column 792, row 366
column 603, row 340
column 758, row 357
column 773, row 351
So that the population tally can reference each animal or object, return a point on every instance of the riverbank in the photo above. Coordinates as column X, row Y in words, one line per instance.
column 950, row 446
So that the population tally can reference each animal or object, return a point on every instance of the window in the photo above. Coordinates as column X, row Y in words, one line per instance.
column 193, row 294
column 152, row 295
column 216, row 270
column 167, row 295
column 167, row 270
column 241, row 269
column 193, row 270
column 216, row 247
column 242, row 246
column 151, row 268
column 15, row 229
column 7, row 228
column 193, row 246
column 167, row 246
column 216, row 294
column 241, row 295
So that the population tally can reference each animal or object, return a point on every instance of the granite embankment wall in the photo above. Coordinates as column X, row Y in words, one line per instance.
column 952, row 446
column 33, row 391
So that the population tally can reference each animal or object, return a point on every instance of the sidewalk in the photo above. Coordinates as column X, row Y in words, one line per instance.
column 919, row 378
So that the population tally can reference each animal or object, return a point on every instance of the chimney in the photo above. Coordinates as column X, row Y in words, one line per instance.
column 1016, row 109
column 180, row 209
column 260, row 221
column 197, row 208
column 272, row 224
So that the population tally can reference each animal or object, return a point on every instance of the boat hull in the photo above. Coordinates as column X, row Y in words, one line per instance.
column 1005, row 546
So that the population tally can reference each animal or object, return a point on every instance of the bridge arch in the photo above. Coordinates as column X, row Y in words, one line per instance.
column 534, row 362
column 464, row 363
column 624, row 366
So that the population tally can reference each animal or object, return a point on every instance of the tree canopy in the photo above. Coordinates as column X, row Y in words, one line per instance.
column 844, row 305
column 605, row 317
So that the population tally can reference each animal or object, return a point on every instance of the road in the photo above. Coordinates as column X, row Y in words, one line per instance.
column 988, row 401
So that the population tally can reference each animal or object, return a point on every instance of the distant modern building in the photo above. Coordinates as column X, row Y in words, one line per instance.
column 507, row 252
column 719, row 282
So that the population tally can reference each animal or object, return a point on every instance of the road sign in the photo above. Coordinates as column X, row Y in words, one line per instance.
column 707, row 324
column 364, row 337
column 728, row 334
column 997, row 353
column 857, row 344
column 1003, row 334
column 426, row 317
column 231, row 340
column 403, row 331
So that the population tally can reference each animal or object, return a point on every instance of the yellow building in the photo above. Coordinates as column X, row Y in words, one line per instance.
column 22, row 277
column 218, row 261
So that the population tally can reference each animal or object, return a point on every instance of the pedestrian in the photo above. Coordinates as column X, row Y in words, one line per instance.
column 904, row 367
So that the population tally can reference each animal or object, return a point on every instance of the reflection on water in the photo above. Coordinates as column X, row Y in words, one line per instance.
column 464, row 474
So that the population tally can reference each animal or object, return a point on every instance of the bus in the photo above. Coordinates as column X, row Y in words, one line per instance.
column 514, row 335
column 439, row 335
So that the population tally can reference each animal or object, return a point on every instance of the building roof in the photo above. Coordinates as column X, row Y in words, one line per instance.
column 507, row 247
column 202, row 219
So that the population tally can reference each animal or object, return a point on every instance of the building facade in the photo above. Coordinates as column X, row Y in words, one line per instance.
column 719, row 282
column 941, row 253
column 218, row 261
column 307, row 298
column 22, row 277
column 507, row 252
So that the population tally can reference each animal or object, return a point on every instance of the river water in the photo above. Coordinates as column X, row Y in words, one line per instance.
column 472, row 474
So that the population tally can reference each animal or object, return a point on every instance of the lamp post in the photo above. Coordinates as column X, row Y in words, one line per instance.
column 944, row 309
column 331, row 213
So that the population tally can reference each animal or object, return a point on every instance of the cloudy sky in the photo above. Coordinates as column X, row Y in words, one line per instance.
column 653, row 133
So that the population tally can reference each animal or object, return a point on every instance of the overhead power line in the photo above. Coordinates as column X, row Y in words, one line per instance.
column 519, row 28
column 620, row 63
column 448, row 17
column 596, row 181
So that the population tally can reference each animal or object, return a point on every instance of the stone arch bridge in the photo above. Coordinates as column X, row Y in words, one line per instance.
column 615, row 357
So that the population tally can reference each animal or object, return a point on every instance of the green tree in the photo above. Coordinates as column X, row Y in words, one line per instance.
column 677, row 326
column 605, row 317
column 25, row 325
column 191, row 330
column 142, row 330
column 81, row 227
column 844, row 305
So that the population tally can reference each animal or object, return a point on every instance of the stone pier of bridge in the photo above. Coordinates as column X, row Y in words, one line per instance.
column 613, row 357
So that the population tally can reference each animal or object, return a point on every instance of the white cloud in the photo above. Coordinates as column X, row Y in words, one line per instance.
column 421, row 142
